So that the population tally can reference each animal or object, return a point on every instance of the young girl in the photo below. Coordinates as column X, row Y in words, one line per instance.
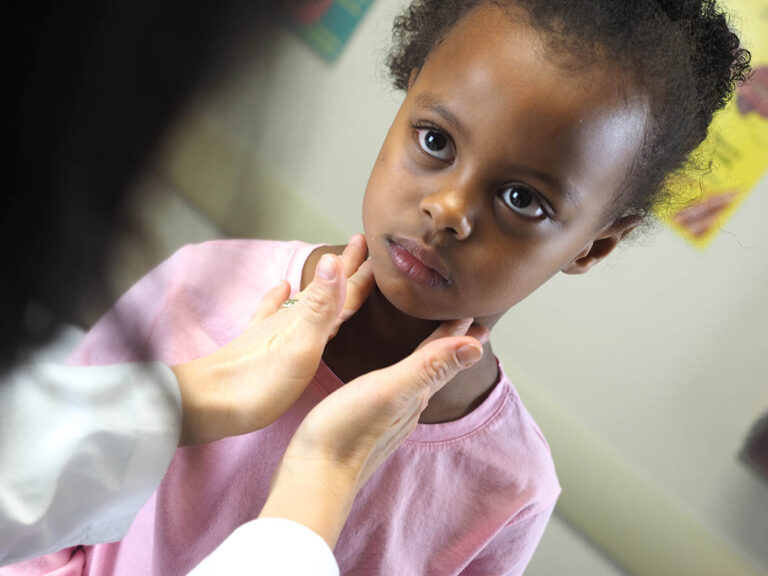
column 533, row 137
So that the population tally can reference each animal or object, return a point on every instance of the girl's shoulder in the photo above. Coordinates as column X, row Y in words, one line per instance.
column 499, row 443
column 245, row 264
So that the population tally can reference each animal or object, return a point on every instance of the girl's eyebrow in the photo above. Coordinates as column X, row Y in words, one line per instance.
column 427, row 100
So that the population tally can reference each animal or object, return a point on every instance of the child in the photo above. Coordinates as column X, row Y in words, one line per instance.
column 533, row 137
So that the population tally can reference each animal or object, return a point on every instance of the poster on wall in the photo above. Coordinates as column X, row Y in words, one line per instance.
column 737, row 143
column 326, row 25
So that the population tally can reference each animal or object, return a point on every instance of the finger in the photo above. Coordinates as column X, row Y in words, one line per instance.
column 354, row 254
column 431, row 367
column 457, row 327
column 271, row 301
column 359, row 287
column 480, row 333
column 320, row 302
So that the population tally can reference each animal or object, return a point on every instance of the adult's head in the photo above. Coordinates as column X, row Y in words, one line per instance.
column 94, row 86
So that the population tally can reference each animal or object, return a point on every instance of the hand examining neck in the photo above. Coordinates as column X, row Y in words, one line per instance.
column 346, row 437
column 379, row 335
column 251, row 381
column 248, row 383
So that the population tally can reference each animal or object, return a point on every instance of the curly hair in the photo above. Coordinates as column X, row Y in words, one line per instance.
column 681, row 53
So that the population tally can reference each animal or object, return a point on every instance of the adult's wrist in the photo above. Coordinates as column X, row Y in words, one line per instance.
column 196, row 409
column 316, row 493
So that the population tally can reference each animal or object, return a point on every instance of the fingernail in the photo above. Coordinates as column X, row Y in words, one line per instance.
column 326, row 269
column 469, row 354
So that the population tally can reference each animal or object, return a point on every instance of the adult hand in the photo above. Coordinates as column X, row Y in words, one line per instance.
column 346, row 437
column 251, row 381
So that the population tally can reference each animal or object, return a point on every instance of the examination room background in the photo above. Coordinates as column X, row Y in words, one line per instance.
column 645, row 375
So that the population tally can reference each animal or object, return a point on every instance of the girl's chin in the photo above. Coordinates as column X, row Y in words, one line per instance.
column 398, row 297
column 415, row 305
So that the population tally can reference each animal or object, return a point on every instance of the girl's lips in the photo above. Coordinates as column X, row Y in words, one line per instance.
column 412, row 266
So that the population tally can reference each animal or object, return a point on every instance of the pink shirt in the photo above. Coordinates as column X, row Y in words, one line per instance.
column 469, row 497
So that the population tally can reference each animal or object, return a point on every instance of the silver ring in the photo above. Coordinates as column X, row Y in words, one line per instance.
column 288, row 303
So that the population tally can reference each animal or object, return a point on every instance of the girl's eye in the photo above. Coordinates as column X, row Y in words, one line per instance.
column 436, row 144
column 523, row 201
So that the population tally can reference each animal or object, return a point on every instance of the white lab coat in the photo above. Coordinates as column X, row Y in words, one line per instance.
column 83, row 448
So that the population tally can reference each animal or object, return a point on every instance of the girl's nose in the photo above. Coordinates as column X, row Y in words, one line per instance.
column 449, row 211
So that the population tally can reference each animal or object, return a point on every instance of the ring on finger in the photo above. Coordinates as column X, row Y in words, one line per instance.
column 288, row 303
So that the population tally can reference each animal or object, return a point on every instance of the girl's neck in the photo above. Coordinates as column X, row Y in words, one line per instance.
column 380, row 335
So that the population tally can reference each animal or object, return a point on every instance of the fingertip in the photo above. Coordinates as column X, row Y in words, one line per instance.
column 457, row 327
column 271, row 301
column 329, row 285
column 356, row 239
column 284, row 290
column 469, row 354
column 328, row 268
column 353, row 244
column 479, row 332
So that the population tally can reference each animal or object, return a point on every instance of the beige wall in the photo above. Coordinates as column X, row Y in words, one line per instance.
column 645, row 374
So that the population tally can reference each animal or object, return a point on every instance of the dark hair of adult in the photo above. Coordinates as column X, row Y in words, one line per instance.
column 93, row 86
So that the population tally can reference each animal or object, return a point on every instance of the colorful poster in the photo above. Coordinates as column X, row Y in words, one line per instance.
column 737, row 143
column 326, row 25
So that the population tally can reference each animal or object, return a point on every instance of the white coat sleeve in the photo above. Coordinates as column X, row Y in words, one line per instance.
column 270, row 547
column 82, row 448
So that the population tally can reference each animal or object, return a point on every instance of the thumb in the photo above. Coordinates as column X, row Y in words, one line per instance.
column 321, row 302
column 436, row 363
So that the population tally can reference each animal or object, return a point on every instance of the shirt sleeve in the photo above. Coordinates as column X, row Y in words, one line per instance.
column 270, row 547
column 509, row 552
column 83, row 448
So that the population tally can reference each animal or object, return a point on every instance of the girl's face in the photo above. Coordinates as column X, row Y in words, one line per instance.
column 496, row 173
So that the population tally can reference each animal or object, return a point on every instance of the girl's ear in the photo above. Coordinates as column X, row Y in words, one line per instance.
column 412, row 77
column 602, row 245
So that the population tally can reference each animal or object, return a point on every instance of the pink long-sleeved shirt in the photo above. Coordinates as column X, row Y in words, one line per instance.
column 469, row 497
